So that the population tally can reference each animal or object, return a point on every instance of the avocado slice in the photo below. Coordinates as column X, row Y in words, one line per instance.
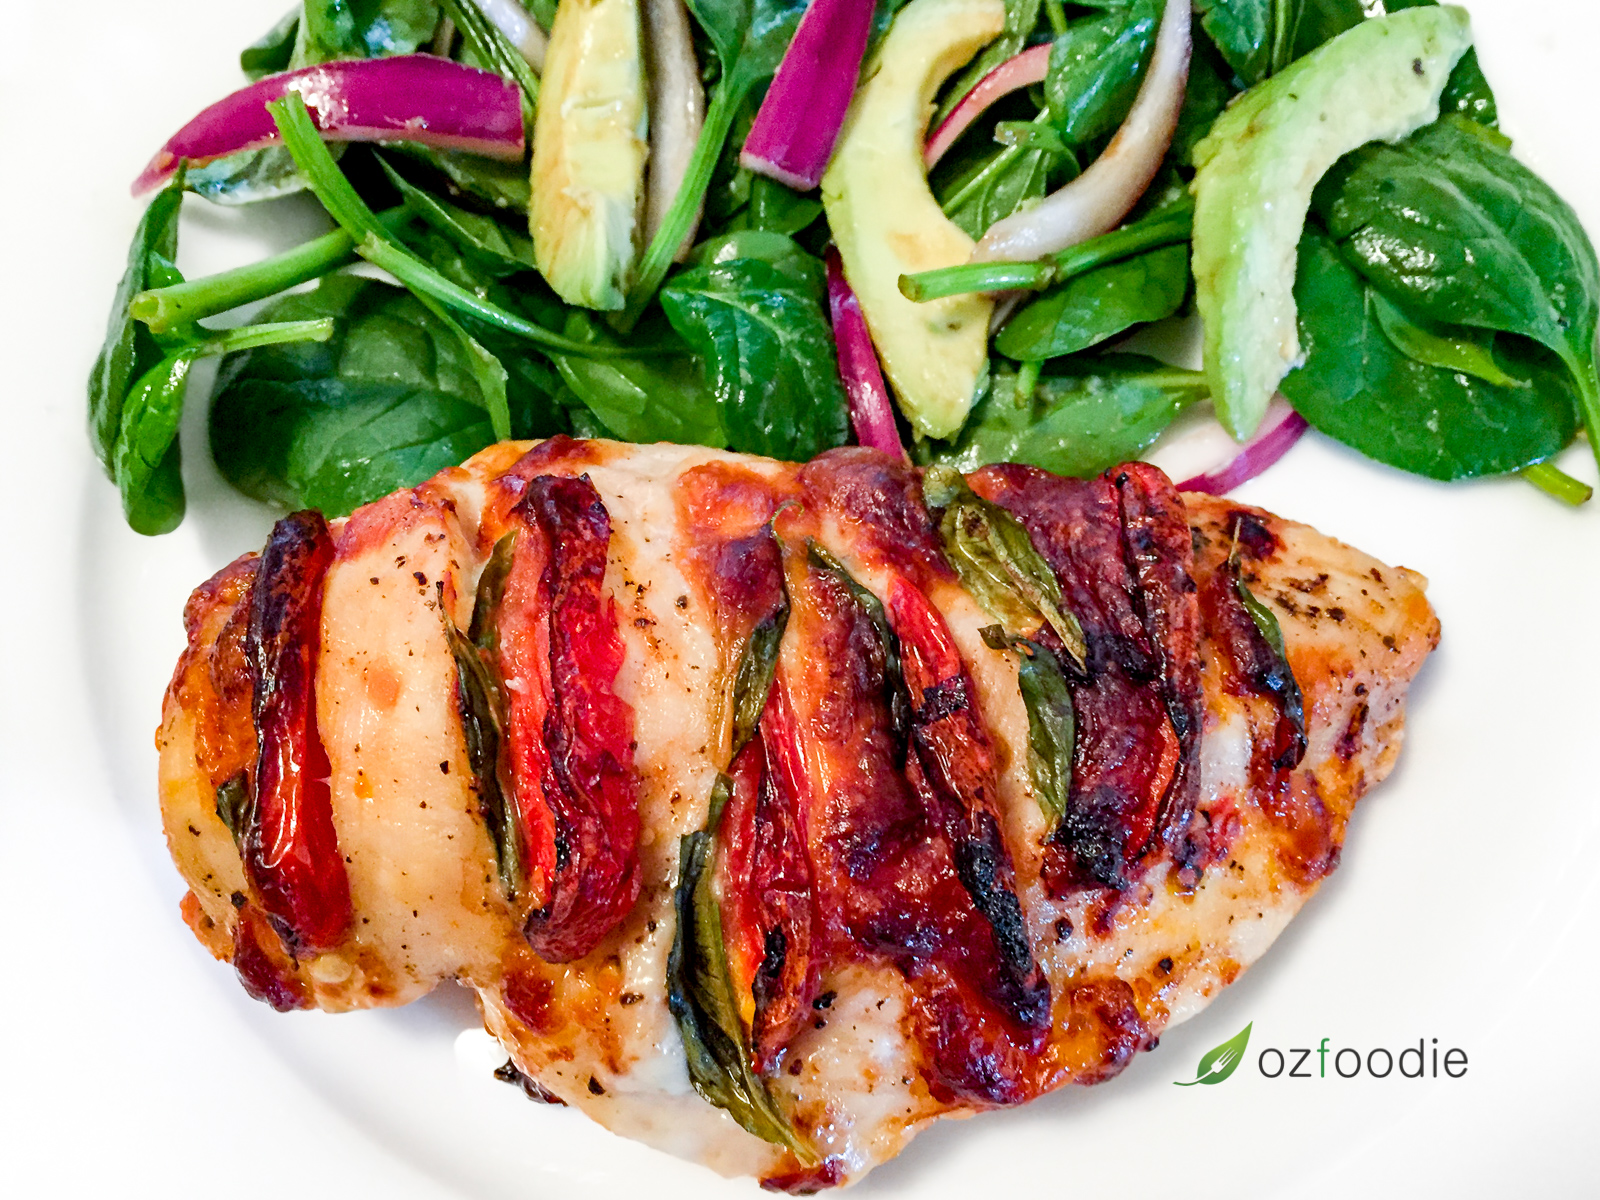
column 887, row 223
column 589, row 149
column 1256, row 169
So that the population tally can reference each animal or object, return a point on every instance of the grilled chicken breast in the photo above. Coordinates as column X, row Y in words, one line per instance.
column 774, row 811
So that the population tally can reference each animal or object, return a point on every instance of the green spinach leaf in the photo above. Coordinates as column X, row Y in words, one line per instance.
column 1022, row 17
column 1096, row 68
column 130, row 349
column 1453, row 228
column 389, row 400
column 1358, row 388
column 1467, row 91
column 271, row 52
column 335, row 29
column 1206, row 95
column 1091, row 412
column 494, row 249
column 657, row 399
column 1099, row 304
column 763, row 333
column 147, row 461
column 1455, row 348
column 997, row 186
column 1261, row 37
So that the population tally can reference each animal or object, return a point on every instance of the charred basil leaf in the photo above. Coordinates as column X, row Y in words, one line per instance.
column 1052, row 724
column 753, row 681
column 233, row 803
column 481, row 703
column 700, row 995
column 998, row 564
column 1279, row 680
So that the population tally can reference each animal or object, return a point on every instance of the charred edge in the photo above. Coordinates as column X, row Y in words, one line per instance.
column 531, row 1088
column 897, row 698
column 982, row 869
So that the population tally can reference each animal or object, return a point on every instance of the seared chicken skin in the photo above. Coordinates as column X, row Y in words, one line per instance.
column 773, row 811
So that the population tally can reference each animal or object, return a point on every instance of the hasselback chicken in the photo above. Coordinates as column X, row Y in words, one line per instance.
column 773, row 811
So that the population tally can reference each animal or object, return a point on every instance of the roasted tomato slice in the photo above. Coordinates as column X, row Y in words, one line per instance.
column 1120, row 549
column 286, row 836
column 570, row 738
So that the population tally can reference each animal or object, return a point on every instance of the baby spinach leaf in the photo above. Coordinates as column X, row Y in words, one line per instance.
column 130, row 349
column 336, row 29
column 1455, row 348
column 147, row 462
column 1096, row 68
column 1357, row 387
column 494, row 248
column 763, row 333
column 1204, row 98
column 1260, row 37
column 663, row 398
column 1091, row 412
column 271, row 52
column 1467, row 92
column 1022, row 16
column 1098, row 304
column 1452, row 226
column 250, row 176
column 389, row 400
column 997, row 186
column 500, row 185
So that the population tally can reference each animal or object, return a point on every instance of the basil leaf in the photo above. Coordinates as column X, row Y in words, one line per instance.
column 233, row 803
column 388, row 401
column 481, row 705
column 1096, row 68
column 129, row 349
column 768, row 350
column 1357, row 387
column 1052, row 727
column 1448, row 224
column 1091, row 413
column 998, row 564
column 1281, row 680
column 701, row 998
column 752, row 683
column 1098, row 304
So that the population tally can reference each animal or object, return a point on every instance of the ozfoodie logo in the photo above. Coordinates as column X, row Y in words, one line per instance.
column 1422, row 1061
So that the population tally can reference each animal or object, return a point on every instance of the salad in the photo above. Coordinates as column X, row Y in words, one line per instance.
column 950, row 229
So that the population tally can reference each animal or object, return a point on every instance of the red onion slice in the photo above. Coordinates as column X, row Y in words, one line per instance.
column 1280, row 429
column 1096, row 201
column 871, row 410
column 1025, row 69
column 408, row 98
column 798, row 123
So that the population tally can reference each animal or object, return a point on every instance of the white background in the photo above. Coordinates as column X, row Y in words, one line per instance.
column 131, row 1064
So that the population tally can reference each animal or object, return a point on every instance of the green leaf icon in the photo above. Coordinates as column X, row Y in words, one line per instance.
column 1220, row 1062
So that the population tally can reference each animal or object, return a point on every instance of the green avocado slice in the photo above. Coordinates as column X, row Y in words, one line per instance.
column 1256, row 169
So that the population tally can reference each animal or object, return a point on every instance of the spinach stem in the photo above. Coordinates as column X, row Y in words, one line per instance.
column 268, row 333
column 1553, row 481
column 377, row 245
column 168, row 308
column 1164, row 227
column 657, row 260
column 1057, row 14
column 484, row 38
column 1027, row 381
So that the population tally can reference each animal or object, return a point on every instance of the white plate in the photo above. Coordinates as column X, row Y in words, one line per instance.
column 1465, row 908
